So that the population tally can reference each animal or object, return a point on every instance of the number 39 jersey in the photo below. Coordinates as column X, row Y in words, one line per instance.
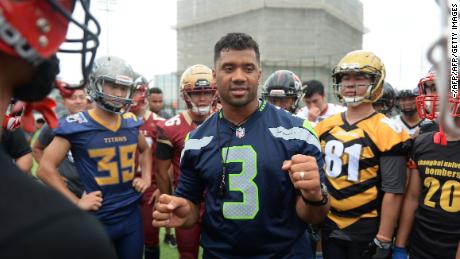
column 104, row 158
column 352, row 155
column 436, row 229
column 253, row 214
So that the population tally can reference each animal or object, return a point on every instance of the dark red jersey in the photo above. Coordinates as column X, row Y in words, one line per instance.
column 150, row 131
column 171, row 137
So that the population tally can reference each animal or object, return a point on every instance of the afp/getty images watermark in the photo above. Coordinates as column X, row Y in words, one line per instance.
column 454, row 51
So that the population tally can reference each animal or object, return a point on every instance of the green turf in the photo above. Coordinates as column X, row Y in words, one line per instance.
column 167, row 252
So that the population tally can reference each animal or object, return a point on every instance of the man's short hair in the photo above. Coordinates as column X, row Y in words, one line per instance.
column 236, row 41
column 155, row 90
column 312, row 87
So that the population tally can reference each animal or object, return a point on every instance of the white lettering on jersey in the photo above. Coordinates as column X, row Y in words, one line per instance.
column 77, row 117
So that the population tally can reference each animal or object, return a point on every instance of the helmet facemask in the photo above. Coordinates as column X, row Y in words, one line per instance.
column 197, row 80
column 113, row 103
column 360, row 63
column 196, row 108
column 356, row 99
column 140, row 94
column 38, row 38
column 282, row 86
column 281, row 98
column 428, row 102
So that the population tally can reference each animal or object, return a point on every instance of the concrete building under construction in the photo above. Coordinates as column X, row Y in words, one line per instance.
column 307, row 37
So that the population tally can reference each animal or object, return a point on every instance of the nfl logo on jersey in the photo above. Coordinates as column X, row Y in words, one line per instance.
column 240, row 132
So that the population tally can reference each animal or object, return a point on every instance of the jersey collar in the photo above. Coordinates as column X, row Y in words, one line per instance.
column 106, row 124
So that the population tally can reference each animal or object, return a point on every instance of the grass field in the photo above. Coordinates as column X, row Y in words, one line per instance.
column 167, row 252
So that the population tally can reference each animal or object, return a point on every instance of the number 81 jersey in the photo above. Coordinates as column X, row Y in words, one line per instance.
column 351, row 154
column 105, row 159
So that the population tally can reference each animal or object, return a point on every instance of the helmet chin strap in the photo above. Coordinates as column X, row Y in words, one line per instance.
column 201, row 110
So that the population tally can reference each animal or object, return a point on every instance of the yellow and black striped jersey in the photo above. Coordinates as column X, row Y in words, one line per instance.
column 352, row 154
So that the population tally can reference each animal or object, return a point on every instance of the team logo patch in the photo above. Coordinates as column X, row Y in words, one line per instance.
column 77, row 117
column 240, row 132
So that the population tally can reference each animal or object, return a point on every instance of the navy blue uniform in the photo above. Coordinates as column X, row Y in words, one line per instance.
column 105, row 160
column 255, row 215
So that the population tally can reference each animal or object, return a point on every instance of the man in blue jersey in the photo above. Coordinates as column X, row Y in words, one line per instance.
column 103, row 142
column 258, row 168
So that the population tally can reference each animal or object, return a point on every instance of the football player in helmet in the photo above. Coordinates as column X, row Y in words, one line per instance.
column 409, row 118
column 35, row 221
column 199, row 93
column 365, row 163
column 386, row 103
column 428, row 104
column 104, row 142
column 283, row 88
column 431, row 212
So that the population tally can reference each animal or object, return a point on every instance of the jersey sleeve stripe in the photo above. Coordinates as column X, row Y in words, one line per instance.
column 296, row 133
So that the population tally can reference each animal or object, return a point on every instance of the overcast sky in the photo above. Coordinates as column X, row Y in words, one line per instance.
column 142, row 31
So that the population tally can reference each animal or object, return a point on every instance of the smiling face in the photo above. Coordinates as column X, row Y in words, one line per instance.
column 237, row 74
column 76, row 102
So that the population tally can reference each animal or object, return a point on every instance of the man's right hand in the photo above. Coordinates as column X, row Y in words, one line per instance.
column 90, row 201
column 313, row 113
column 171, row 211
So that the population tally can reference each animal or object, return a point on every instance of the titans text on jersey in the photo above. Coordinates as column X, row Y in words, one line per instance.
column 104, row 157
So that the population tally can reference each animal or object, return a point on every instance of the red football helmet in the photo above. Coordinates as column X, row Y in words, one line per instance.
column 35, row 29
column 428, row 100
column 140, row 94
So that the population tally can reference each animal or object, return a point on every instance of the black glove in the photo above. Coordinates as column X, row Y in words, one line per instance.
column 378, row 250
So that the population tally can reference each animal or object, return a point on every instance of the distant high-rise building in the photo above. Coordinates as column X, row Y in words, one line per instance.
column 307, row 37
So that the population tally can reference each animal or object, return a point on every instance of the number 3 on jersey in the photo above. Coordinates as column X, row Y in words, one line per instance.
column 334, row 150
column 105, row 164
column 243, row 182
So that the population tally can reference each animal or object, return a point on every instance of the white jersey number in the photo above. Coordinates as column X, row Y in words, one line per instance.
column 334, row 152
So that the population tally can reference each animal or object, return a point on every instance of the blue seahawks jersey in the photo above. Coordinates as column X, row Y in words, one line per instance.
column 255, row 215
column 104, row 158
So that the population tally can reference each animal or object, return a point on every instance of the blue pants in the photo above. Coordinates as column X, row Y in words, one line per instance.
column 127, row 236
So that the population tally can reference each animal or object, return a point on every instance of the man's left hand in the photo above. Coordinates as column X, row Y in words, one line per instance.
column 304, row 173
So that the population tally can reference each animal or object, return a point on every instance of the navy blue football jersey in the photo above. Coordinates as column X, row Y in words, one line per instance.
column 253, row 214
column 104, row 158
